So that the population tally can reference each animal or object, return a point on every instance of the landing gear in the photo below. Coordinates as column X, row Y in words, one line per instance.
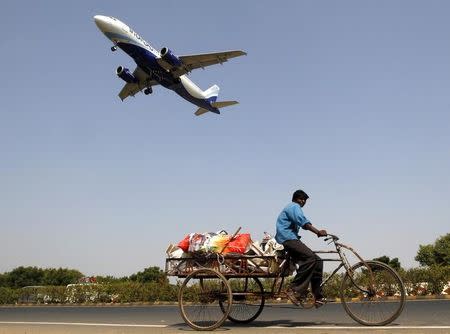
column 148, row 90
column 113, row 48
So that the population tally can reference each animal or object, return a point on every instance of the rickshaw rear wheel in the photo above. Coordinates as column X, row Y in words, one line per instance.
column 205, row 299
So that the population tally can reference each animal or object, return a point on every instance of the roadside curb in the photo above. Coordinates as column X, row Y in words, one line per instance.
column 428, row 297
column 91, row 304
column 165, row 303
column 433, row 297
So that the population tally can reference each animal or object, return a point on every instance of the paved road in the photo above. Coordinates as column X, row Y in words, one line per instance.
column 417, row 317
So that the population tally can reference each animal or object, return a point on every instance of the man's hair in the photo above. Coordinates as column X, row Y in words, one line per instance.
column 299, row 194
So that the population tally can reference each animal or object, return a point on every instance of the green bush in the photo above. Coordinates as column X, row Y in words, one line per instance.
column 333, row 287
column 426, row 280
column 8, row 296
column 42, row 294
column 120, row 292
column 438, row 278
column 128, row 292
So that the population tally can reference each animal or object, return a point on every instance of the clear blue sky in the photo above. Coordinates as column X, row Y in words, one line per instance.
column 348, row 100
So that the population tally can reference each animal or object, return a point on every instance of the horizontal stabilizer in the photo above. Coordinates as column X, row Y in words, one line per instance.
column 200, row 111
column 223, row 104
column 216, row 105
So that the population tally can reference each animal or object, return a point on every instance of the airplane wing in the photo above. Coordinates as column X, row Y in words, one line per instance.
column 191, row 62
column 144, row 81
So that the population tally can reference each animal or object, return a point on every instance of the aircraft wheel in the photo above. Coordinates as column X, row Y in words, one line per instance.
column 148, row 91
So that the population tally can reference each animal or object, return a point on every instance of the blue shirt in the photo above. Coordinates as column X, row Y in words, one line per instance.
column 289, row 222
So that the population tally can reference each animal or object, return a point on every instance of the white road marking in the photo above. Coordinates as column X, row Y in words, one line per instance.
column 269, row 327
column 361, row 327
column 77, row 324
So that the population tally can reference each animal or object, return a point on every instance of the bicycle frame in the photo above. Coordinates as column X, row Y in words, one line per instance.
column 340, row 251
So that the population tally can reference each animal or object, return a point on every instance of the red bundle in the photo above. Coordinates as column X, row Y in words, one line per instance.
column 239, row 244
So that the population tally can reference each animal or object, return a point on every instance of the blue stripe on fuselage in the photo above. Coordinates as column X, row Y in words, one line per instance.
column 115, row 36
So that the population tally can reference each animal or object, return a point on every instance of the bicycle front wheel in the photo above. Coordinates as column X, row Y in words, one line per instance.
column 372, row 293
column 205, row 299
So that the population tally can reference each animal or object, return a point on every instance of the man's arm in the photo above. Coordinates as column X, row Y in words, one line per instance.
column 304, row 222
column 319, row 233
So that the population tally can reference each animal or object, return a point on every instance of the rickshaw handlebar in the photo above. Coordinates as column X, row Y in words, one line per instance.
column 331, row 237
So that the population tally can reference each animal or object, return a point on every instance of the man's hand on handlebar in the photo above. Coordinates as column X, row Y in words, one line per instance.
column 319, row 233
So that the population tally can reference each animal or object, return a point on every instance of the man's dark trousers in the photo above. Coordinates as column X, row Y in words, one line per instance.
column 310, row 268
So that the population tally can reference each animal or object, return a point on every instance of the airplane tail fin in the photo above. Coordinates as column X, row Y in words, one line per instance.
column 211, row 93
column 217, row 105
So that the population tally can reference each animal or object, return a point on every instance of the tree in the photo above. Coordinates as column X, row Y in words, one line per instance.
column 150, row 274
column 110, row 279
column 394, row 263
column 61, row 276
column 3, row 281
column 24, row 276
column 435, row 254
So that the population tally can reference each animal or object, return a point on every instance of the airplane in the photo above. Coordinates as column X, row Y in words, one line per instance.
column 163, row 67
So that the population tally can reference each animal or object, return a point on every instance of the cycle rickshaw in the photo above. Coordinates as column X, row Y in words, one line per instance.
column 218, row 287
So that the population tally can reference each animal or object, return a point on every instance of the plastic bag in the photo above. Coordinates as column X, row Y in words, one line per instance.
column 184, row 244
column 215, row 242
column 204, row 242
column 196, row 242
column 174, row 252
column 240, row 244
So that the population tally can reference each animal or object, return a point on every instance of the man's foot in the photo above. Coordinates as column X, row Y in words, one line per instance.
column 295, row 296
column 320, row 302
column 292, row 296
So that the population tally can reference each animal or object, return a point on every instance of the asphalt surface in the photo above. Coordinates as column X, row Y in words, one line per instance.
column 418, row 317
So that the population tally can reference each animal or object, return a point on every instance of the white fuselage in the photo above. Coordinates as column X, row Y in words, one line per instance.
column 142, row 52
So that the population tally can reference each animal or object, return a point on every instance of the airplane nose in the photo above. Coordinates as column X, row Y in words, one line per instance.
column 102, row 22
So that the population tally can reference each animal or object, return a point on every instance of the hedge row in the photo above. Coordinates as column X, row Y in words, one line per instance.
column 418, row 281
column 124, row 292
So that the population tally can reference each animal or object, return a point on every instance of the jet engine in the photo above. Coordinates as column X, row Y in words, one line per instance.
column 124, row 74
column 170, row 58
